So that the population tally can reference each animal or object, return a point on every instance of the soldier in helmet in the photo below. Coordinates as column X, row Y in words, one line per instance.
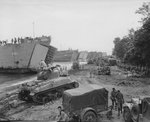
column 113, row 97
column 120, row 101
column 43, row 65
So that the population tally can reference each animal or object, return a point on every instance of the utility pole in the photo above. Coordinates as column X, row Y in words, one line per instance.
column 148, row 9
column 33, row 31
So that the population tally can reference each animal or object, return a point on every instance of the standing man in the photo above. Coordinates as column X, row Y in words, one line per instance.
column 50, row 67
column 120, row 101
column 113, row 97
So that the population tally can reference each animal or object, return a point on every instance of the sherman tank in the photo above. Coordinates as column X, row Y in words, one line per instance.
column 42, row 91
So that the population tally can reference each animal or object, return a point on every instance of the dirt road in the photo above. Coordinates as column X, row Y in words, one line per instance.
column 130, row 87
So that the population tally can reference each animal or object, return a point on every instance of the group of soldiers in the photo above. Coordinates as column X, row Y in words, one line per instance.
column 3, row 43
column 117, row 100
column 13, row 41
column 16, row 40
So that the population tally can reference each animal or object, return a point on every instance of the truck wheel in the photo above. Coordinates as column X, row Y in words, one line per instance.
column 89, row 116
column 127, row 115
column 135, row 113
column 144, row 107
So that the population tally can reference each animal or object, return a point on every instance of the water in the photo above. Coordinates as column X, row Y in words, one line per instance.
column 7, row 80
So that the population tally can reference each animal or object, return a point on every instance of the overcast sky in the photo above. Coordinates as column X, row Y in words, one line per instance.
column 78, row 24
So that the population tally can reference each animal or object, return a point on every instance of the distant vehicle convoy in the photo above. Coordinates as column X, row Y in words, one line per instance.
column 104, row 70
column 112, row 61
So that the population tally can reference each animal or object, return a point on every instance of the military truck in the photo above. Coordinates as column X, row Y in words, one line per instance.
column 85, row 102
column 44, row 93
column 137, row 110
column 112, row 61
column 105, row 70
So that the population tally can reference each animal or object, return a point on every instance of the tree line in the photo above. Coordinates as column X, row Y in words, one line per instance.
column 134, row 48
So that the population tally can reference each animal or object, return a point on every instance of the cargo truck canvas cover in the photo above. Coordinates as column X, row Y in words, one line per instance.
column 85, row 96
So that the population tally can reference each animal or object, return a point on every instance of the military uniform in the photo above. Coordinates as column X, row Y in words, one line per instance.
column 43, row 65
column 113, row 98
column 63, row 117
column 120, row 101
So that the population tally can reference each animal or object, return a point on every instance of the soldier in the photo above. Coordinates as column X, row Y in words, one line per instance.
column 15, row 40
column 113, row 97
column 50, row 67
column 43, row 65
column 62, row 117
column 120, row 101
column 12, row 41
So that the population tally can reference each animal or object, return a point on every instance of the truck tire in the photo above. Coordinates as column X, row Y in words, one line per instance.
column 127, row 115
column 144, row 106
column 135, row 113
column 89, row 116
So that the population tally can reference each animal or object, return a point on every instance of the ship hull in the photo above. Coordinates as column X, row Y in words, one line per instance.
column 25, row 57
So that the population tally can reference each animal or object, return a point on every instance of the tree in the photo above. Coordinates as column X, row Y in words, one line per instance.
column 144, row 11
column 122, row 45
column 135, row 47
column 116, row 42
column 142, row 43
